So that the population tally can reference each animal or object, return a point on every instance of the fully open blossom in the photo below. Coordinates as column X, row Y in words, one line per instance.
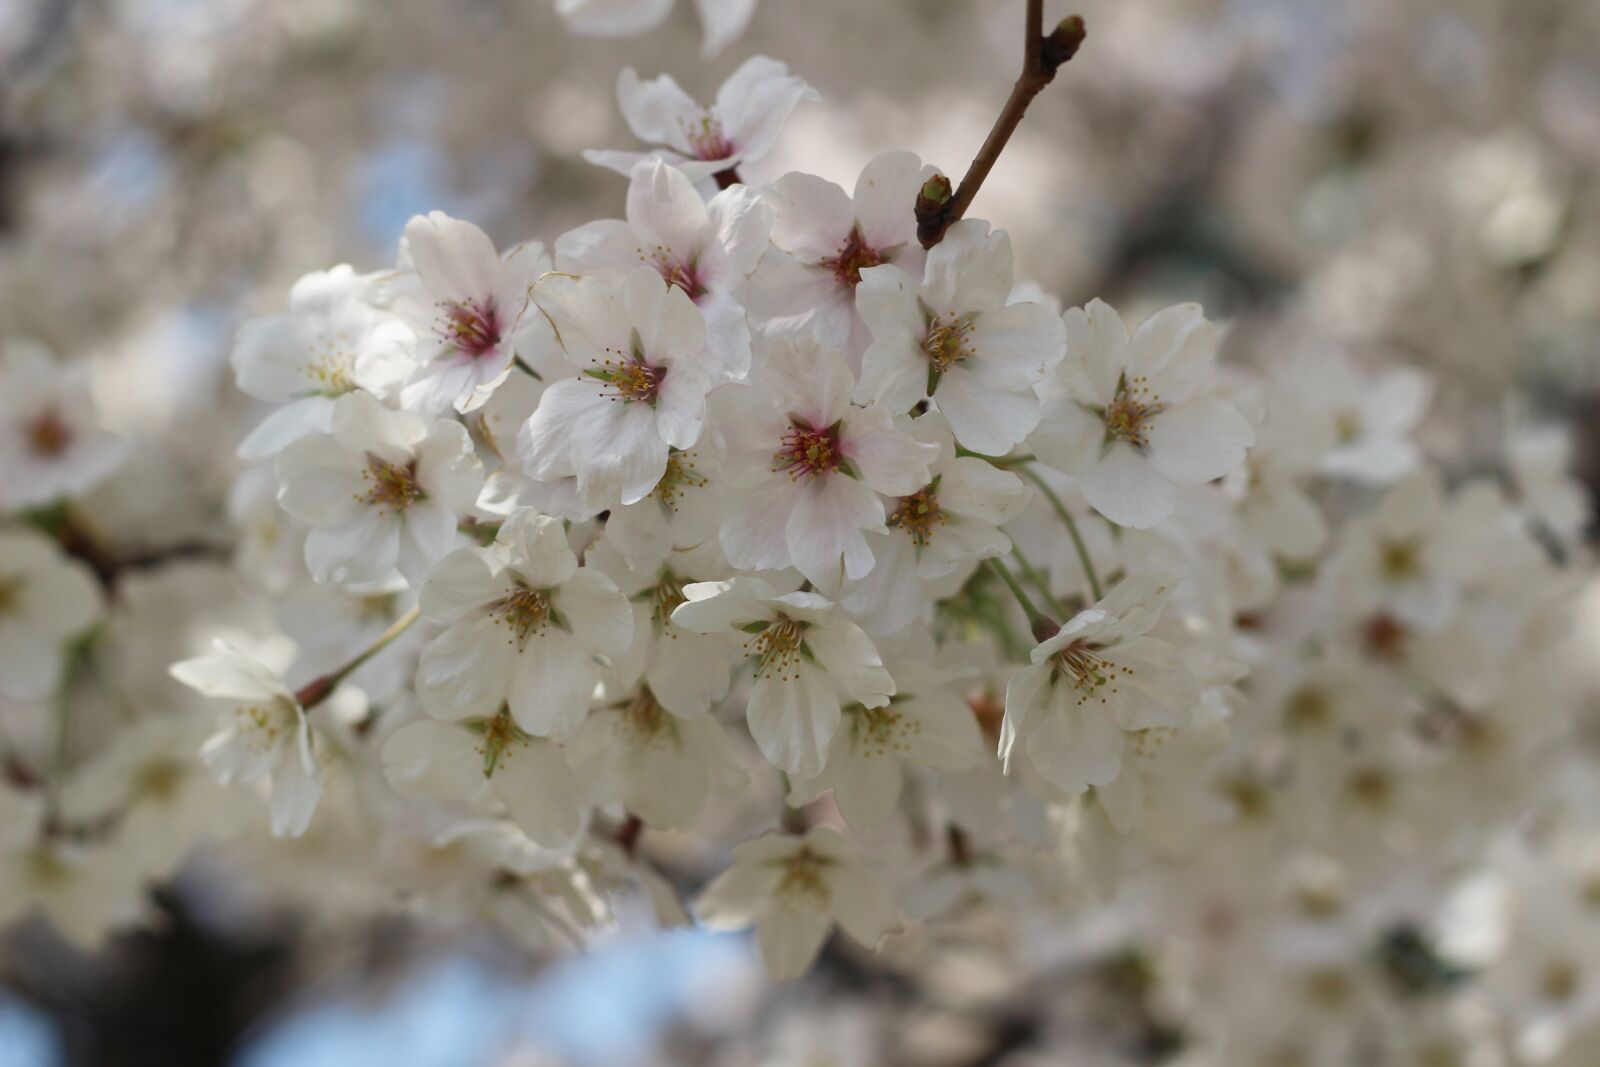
column 951, row 338
column 523, row 623
column 793, row 889
column 457, row 759
column 739, row 128
column 706, row 249
column 809, row 466
column 264, row 734
column 1374, row 413
column 331, row 339
column 640, row 391
column 823, row 238
column 46, row 601
column 1095, row 680
column 1134, row 416
column 468, row 306
column 951, row 522
column 810, row 661
column 383, row 491
column 52, row 445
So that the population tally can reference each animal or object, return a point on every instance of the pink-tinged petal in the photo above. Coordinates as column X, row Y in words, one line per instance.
column 1195, row 442
column 666, row 213
column 465, row 671
column 455, row 260
column 808, row 380
column 985, row 420
column 887, row 459
column 754, row 102
column 824, row 530
column 811, row 217
column 742, row 225
column 1127, row 489
column 792, row 719
column 544, row 443
column 968, row 270
column 658, row 111
column 727, row 352
column 885, row 198
column 619, row 453
column 1176, row 350
column 1075, row 747
column 553, row 685
column 753, row 534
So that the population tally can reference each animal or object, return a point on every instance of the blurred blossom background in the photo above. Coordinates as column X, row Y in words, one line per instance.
column 1402, row 180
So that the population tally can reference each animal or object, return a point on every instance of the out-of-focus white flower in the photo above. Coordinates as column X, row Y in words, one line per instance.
column 823, row 238
column 1135, row 416
column 721, row 21
column 810, row 661
column 702, row 142
column 523, row 625
column 809, row 465
column 1093, row 681
column 706, row 249
column 468, row 307
column 793, row 889
column 924, row 723
column 1373, row 414
column 658, row 766
column 51, row 444
column 1541, row 467
column 641, row 388
column 331, row 339
column 953, row 339
column 462, row 757
column 383, row 491
column 264, row 735
column 46, row 600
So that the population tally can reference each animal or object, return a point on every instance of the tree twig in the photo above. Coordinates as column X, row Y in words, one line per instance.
column 937, row 207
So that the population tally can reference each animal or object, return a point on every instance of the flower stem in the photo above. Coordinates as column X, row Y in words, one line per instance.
column 1042, row 55
column 319, row 689
column 1016, row 589
column 1072, row 527
column 1037, row 580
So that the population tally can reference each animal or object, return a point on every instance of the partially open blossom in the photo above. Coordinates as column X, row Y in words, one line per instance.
column 264, row 734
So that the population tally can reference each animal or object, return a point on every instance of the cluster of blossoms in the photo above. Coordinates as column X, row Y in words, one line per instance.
column 743, row 543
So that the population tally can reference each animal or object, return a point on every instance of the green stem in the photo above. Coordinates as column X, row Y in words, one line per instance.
column 1072, row 527
column 1037, row 580
column 321, row 688
column 1016, row 590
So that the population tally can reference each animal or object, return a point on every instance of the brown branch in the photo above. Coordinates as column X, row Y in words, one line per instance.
column 937, row 207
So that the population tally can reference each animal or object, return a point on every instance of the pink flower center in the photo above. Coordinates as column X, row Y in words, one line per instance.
column 853, row 257
column 391, row 485
column 473, row 328
column 683, row 275
column 708, row 141
column 807, row 452
column 48, row 434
